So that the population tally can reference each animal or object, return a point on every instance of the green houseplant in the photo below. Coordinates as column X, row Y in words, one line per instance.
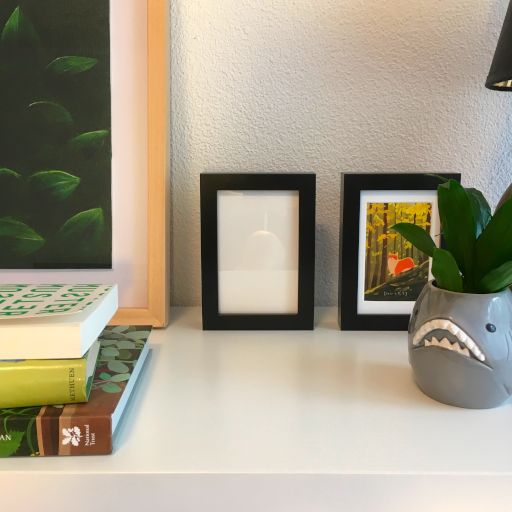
column 478, row 253
column 460, row 333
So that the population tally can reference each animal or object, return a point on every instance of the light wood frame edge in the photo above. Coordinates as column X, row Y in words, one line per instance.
column 157, row 311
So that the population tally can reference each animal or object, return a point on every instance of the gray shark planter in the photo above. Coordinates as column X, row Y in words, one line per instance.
column 460, row 347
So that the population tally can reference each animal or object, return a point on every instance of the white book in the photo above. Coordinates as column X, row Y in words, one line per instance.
column 53, row 321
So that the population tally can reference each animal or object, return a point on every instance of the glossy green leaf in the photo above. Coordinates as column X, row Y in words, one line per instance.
column 71, row 65
column 19, row 238
column 57, row 184
column 458, row 225
column 481, row 210
column 120, row 377
column 417, row 236
column 84, row 230
column 118, row 367
column 19, row 29
column 494, row 247
column 110, row 387
column 51, row 113
column 105, row 376
column 497, row 279
column 446, row 271
column 9, row 174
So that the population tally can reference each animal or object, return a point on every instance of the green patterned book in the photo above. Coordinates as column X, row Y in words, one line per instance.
column 88, row 428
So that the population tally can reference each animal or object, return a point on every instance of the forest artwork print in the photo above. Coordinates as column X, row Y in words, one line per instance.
column 394, row 269
column 55, row 147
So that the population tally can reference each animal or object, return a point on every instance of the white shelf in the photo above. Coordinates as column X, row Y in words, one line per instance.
column 281, row 421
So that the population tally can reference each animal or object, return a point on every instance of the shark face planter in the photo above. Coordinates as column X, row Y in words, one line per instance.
column 460, row 347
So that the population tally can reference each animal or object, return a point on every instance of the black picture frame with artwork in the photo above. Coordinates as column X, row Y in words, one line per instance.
column 379, row 283
column 233, row 206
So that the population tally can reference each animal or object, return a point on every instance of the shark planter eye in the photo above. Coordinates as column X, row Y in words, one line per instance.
column 461, row 350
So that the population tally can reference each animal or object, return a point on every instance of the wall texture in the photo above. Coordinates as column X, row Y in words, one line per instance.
column 330, row 86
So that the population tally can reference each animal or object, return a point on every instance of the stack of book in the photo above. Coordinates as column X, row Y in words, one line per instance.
column 65, row 378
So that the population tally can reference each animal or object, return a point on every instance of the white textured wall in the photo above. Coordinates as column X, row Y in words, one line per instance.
column 330, row 86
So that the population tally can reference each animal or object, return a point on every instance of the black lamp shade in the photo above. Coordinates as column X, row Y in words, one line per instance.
column 500, row 75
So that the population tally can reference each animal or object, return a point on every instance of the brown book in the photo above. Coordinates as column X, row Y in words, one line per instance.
column 87, row 428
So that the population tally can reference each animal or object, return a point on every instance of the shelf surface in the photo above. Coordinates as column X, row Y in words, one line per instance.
column 289, row 402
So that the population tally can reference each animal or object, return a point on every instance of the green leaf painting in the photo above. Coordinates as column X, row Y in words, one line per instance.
column 90, row 142
column 9, row 174
column 71, row 65
column 51, row 113
column 58, row 184
column 18, row 29
column 83, row 231
column 19, row 238
column 55, row 134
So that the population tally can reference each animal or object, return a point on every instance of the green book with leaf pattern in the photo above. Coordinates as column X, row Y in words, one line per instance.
column 86, row 428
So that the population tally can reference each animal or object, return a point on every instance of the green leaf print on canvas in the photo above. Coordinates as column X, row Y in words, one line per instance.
column 83, row 231
column 22, row 239
column 71, row 65
column 8, row 174
column 50, row 112
column 56, row 184
column 18, row 30
column 90, row 142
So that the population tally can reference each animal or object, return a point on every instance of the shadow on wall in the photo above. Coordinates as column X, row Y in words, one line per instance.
column 328, row 87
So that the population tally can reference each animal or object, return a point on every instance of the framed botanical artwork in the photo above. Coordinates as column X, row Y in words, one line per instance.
column 258, row 251
column 382, row 274
column 84, row 159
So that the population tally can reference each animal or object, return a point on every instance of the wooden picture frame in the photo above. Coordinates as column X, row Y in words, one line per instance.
column 156, row 313
column 295, row 196
column 362, row 307
column 140, row 108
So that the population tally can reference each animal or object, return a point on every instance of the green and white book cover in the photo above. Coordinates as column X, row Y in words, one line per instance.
column 53, row 321
column 47, row 300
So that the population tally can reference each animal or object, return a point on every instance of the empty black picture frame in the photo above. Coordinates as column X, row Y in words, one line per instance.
column 210, row 185
column 353, row 184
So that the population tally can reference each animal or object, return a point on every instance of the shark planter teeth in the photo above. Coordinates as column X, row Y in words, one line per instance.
column 460, row 347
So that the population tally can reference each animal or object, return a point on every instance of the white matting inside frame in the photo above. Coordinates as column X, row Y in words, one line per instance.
column 128, row 46
column 366, row 307
column 258, row 251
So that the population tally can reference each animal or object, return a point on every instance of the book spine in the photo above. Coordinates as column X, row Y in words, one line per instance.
column 45, row 382
column 47, row 431
column 85, row 435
